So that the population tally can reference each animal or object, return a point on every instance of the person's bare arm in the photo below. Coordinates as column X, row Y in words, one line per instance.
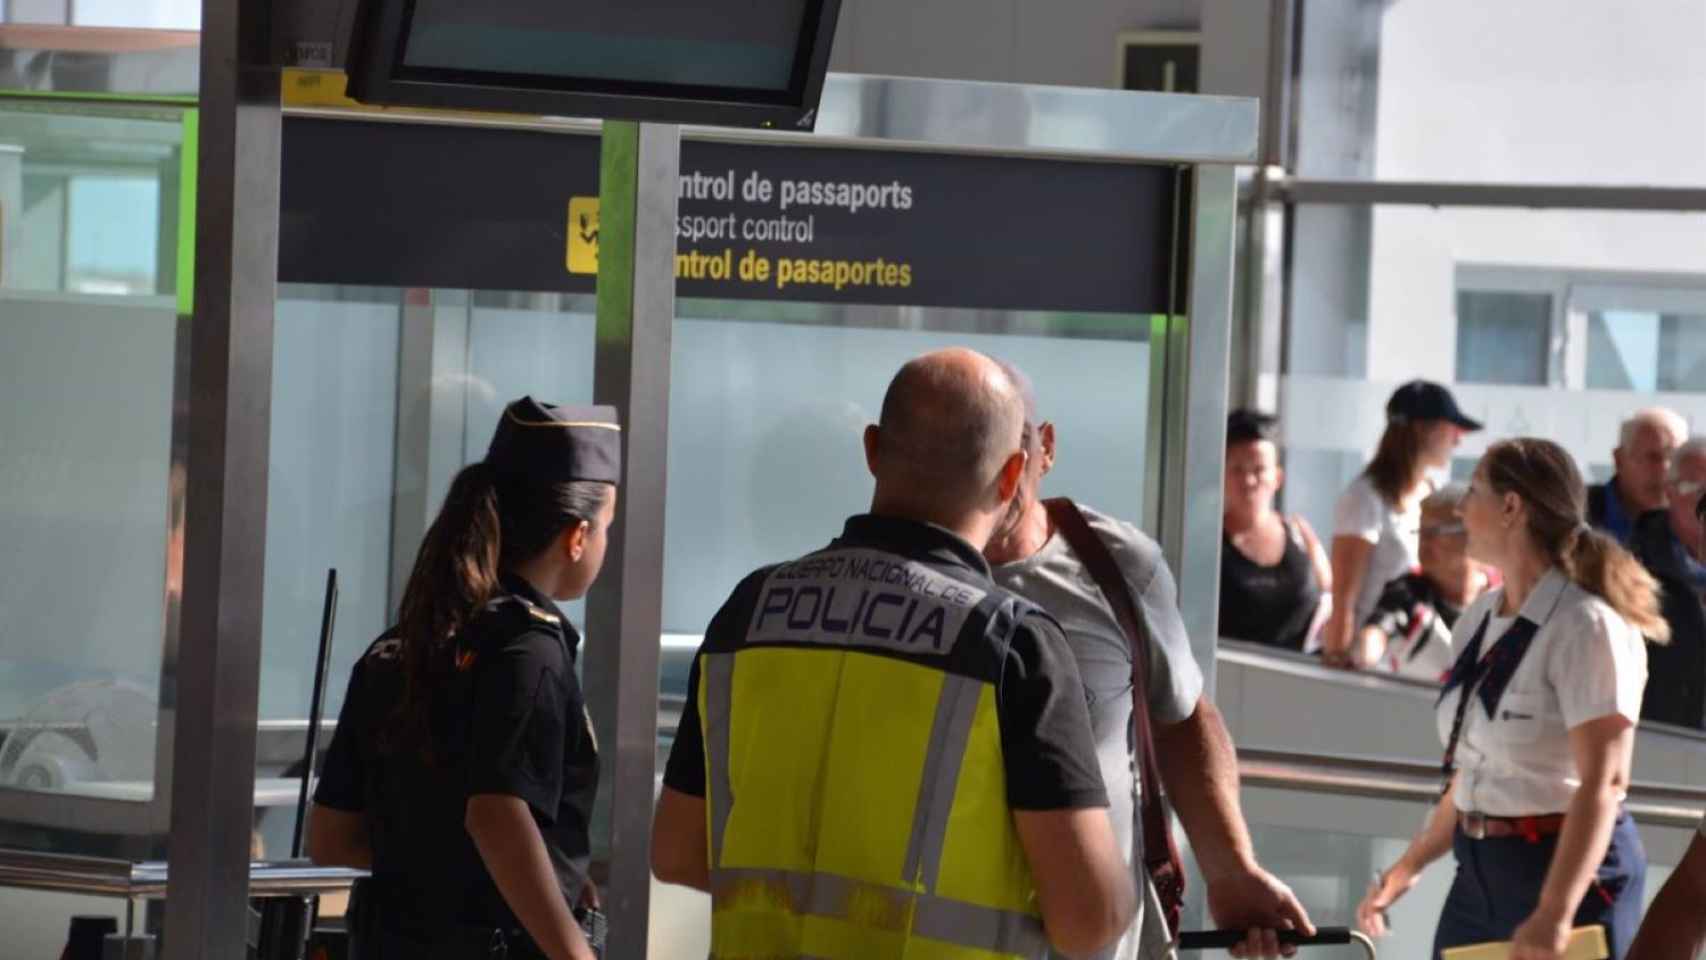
column 1603, row 748
column 510, row 845
column 338, row 838
column 1083, row 884
column 1675, row 926
column 680, row 849
column 1428, row 845
column 1199, row 769
column 1350, row 557
column 1317, row 554
column 1368, row 648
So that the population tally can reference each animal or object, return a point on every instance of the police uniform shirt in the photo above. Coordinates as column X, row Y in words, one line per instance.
column 1585, row 662
column 1046, row 744
column 513, row 722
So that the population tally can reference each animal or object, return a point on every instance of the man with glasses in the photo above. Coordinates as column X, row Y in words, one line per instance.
column 1675, row 927
column 1667, row 542
column 1409, row 630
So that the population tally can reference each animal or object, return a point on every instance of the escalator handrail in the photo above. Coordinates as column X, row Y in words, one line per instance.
column 1657, row 804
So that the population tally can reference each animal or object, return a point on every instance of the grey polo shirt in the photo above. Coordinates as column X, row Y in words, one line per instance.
column 1056, row 580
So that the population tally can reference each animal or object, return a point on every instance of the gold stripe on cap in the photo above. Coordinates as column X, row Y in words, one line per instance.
column 600, row 424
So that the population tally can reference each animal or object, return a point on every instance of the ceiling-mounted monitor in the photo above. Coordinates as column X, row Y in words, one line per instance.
column 743, row 63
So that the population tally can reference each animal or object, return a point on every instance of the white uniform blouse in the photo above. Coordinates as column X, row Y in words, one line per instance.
column 1585, row 662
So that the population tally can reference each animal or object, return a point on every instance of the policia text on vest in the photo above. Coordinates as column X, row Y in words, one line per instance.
column 863, row 597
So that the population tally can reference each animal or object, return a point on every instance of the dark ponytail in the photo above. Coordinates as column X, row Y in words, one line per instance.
column 488, row 523
column 455, row 574
column 1545, row 476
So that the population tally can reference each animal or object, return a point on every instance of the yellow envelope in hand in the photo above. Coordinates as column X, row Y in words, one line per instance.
column 1586, row 943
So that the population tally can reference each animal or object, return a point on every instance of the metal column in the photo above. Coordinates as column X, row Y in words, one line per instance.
column 216, row 684
column 1192, row 506
column 636, row 311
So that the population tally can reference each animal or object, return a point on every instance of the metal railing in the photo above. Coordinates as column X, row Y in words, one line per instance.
column 1665, row 805
column 101, row 876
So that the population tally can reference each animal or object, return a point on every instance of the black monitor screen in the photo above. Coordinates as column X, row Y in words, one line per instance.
column 746, row 44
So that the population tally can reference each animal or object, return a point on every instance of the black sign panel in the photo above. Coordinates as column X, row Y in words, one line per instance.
column 431, row 206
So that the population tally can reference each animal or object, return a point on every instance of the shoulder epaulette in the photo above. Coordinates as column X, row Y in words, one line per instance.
column 542, row 615
column 510, row 601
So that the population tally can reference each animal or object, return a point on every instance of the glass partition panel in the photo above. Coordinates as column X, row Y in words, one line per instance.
column 768, row 403
column 380, row 395
column 89, row 199
column 91, row 368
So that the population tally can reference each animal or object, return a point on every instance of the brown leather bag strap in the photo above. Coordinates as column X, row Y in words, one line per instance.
column 1158, row 848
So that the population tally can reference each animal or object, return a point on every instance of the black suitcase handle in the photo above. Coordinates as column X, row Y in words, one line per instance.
column 1226, row 939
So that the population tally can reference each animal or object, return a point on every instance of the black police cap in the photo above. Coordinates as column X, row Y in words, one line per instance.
column 1426, row 400
column 547, row 443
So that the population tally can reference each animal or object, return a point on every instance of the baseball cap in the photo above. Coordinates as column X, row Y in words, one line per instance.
column 1426, row 400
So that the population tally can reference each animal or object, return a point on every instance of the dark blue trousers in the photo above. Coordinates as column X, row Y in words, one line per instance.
column 1498, row 885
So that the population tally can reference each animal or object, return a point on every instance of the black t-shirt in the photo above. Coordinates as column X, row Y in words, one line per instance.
column 1274, row 604
column 1046, row 741
column 510, row 720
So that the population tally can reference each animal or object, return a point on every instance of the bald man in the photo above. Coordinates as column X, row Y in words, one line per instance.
column 1645, row 444
column 883, row 753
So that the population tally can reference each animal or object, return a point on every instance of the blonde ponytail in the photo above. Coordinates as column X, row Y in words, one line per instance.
column 1599, row 565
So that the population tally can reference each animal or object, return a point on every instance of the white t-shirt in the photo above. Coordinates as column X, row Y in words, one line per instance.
column 1585, row 662
column 1362, row 513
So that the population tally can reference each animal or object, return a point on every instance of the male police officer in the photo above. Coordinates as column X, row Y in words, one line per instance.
column 1197, row 762
column 883, row 749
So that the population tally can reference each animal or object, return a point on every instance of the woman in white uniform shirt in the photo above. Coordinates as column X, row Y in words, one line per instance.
column 1538, row 716
column 1377, row 522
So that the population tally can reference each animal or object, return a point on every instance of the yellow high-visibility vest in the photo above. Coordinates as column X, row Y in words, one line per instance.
column 856, row 792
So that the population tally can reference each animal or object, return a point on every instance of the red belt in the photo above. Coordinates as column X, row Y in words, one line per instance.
column 1479, row 826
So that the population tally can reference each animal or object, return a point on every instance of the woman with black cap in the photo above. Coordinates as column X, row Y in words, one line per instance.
column 1377, row 522
column 464, row 765
column 1538, row 720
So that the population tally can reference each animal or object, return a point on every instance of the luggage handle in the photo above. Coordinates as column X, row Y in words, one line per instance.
column 1324, row 936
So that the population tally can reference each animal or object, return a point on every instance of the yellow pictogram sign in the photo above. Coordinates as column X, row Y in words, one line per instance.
column 583, row 235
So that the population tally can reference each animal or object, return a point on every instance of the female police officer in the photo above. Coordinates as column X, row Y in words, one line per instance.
column 464, row 766
column 1538, row 716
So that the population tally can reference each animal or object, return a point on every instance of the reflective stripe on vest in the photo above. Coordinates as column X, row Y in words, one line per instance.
column 950, row 733
column 886, row 908
column 719, row 686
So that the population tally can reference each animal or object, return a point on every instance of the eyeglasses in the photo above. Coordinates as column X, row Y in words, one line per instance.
column 1445, row 529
